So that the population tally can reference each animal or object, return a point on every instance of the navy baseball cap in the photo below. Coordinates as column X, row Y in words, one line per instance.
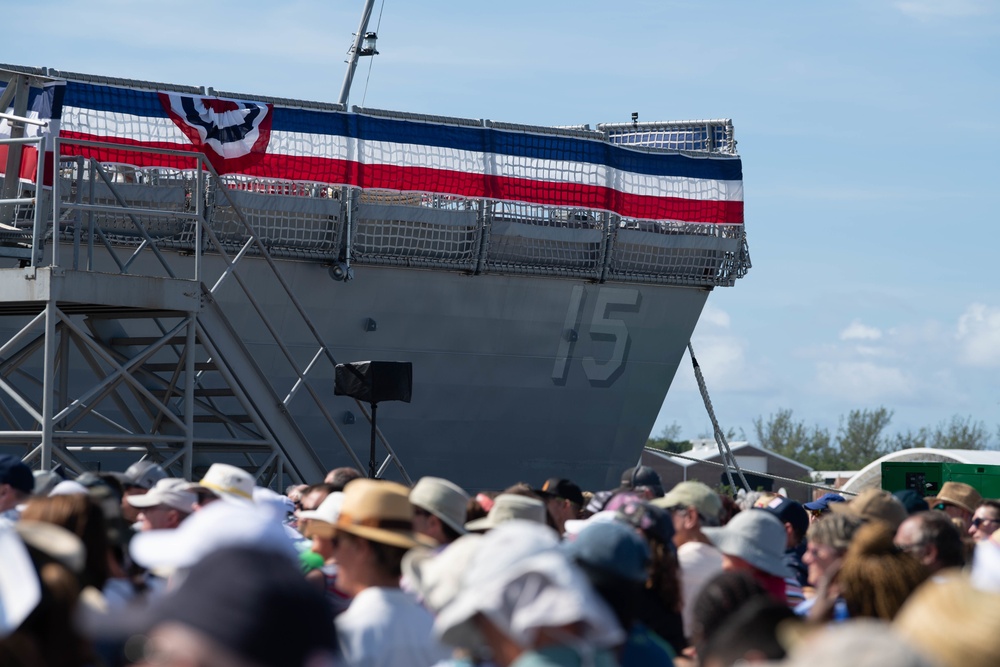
column 14, row 472
column 822, row 504
column 788, row 511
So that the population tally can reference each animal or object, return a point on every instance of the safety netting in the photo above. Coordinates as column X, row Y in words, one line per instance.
column 660, row 202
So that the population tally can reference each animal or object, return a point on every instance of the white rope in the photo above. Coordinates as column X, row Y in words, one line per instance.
column 720, row 438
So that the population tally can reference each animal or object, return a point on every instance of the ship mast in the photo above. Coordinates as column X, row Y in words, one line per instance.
column 357, row 50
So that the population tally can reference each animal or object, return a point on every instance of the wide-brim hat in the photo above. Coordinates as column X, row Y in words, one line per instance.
column 507, row 507
column 755, row 536
column 953, row 622
column 379, row 511
column 957, row 494
column 213, row 527
column 437, row 577
column 521, row 580
column 442, row 498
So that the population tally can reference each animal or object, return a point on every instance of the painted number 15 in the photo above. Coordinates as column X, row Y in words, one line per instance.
column 602, row 327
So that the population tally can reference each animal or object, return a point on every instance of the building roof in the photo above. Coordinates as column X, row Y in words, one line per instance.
column 708, row 450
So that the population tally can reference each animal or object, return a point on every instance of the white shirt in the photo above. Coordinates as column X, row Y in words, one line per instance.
column 699, row 562
column 385, row 627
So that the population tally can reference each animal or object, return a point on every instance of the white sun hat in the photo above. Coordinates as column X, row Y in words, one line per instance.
column 210, row 528
column 442, row 498
column 521, row 581
column 508, row 507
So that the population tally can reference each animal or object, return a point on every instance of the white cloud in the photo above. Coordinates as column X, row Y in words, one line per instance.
column 931, row 9
column 858, row 331
column 715, row 317
column 978, row 336
column 863, row 381
column 723, row 362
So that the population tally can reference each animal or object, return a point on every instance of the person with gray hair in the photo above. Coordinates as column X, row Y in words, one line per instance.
column 827, row 542
column 931, row 538
column 693, row 506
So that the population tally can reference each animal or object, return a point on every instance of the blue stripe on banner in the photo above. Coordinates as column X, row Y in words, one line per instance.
column 517, row 144
column 112, row 99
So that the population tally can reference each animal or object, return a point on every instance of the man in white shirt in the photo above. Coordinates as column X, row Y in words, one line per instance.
column 383, row 625
column 693, row 505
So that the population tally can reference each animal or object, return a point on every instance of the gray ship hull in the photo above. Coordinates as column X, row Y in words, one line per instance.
column 500, row 392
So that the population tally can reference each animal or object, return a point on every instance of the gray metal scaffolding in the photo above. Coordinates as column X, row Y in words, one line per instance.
column 119, row 343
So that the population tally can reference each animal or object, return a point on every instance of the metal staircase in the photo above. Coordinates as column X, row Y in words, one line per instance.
column 121, row 345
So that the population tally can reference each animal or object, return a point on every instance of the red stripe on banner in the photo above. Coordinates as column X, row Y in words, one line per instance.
column 439, row 181
column 29, row 162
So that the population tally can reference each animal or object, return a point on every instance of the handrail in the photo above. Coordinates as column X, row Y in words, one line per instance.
column 204, row 232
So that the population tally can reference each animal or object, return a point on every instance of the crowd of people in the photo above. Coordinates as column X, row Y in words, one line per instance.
column 142, row 568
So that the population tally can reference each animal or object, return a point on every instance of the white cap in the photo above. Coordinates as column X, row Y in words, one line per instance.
column 171, row 492
column 215, row 526
column 68, row 487
column 228, row 483
column 328, row 510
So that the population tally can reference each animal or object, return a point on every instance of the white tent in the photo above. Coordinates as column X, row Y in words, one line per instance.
column 871, row 475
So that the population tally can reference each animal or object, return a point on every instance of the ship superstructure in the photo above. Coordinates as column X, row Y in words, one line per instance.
column 198, row 261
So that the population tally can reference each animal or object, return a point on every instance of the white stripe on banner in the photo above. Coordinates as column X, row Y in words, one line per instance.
column 336, row 147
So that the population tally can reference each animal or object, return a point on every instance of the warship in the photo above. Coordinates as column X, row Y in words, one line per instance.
column 182, row 268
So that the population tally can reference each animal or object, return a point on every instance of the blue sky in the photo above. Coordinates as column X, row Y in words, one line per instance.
column 869, row 132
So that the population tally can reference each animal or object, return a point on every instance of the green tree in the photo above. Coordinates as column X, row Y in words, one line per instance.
column 669, row 440
column 956, row 433
column 860, row 440
column 783, row 435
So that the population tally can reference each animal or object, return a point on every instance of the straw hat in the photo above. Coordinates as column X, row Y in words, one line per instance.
column 378, row 511
column 444, row 499
column 957, row 494
column 953, row 622
column 509, row 506
column 874, row 504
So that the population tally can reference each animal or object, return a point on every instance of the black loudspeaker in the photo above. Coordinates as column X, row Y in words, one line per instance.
column 374, row 382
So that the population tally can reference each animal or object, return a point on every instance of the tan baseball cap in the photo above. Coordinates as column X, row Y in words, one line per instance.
column 874, row 505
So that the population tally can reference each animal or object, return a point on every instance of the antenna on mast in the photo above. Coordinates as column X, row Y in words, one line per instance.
column 364, row 45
